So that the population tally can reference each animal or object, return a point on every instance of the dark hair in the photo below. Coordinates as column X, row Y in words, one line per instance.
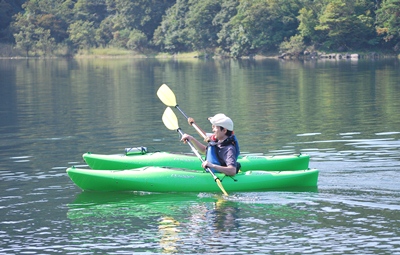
column 228, row 132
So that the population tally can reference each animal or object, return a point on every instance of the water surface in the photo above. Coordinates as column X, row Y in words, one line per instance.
column 342, row 113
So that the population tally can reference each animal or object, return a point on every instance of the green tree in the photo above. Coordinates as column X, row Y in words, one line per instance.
column 55, row 25
column 24, row 35
column 388, row 22
column 137, row 40
column 227, row 12
column 171, row 34
column 105, row 32
column 31, row 38
column 200, row 28
column 93, row 11
column 308, row 19
column 82, row 34
column 44, row 42
column 295, row 45
column 261, row 25
column 143, row 15
column 121, row 38
column 346, row 24
column 43, row 16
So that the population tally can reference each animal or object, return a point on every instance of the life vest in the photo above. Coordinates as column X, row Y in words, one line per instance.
column 212, row 151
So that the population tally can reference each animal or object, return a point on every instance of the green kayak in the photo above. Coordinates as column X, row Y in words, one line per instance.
column 141, row 158
column 160, row 179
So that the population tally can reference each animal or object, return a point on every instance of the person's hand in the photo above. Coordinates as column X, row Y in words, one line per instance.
column 191, row 121
column 210, row 138
column 185, row 138
column 206, row 164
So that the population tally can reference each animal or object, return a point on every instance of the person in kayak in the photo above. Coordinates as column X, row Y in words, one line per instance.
column 222, row 150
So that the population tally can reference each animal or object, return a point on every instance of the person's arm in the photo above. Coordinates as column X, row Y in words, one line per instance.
column 198, row 145
column 229, row 159
column 228, row 170
column 200, row 131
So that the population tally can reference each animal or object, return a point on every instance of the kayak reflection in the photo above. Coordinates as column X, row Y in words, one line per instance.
column 166, row 222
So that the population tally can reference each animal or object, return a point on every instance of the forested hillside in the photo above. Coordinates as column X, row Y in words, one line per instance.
column 225, row 27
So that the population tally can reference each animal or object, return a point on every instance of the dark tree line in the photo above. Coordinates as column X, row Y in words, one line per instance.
column 226, row 27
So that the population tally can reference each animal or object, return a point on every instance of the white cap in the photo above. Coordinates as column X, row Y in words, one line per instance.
column 222, row 120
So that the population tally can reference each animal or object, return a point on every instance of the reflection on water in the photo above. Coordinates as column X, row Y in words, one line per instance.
column 343, row 113
column 250, row 222
column 181, row 223
column 169, row 234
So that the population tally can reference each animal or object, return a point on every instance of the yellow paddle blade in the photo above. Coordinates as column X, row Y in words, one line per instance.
column 221, row 187
column 166, row 95
column 170, row 120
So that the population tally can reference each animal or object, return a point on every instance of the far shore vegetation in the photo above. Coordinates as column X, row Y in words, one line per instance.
column 288, row 29
column 10, row 52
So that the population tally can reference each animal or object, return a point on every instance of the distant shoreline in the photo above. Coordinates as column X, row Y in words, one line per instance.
column 196, row 55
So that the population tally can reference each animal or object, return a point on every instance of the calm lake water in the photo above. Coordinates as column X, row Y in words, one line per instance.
column 345, row 114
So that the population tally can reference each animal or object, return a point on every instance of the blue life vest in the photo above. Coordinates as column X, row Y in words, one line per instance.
column 212, row 151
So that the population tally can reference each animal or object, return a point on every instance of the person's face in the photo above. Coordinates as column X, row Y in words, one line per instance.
column 219, row 134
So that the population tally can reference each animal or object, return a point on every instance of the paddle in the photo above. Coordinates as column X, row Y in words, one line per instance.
column 167, row 96
column 171, row 122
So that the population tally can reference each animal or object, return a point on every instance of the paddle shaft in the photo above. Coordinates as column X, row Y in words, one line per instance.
column 199, row 130
column 167, row 96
